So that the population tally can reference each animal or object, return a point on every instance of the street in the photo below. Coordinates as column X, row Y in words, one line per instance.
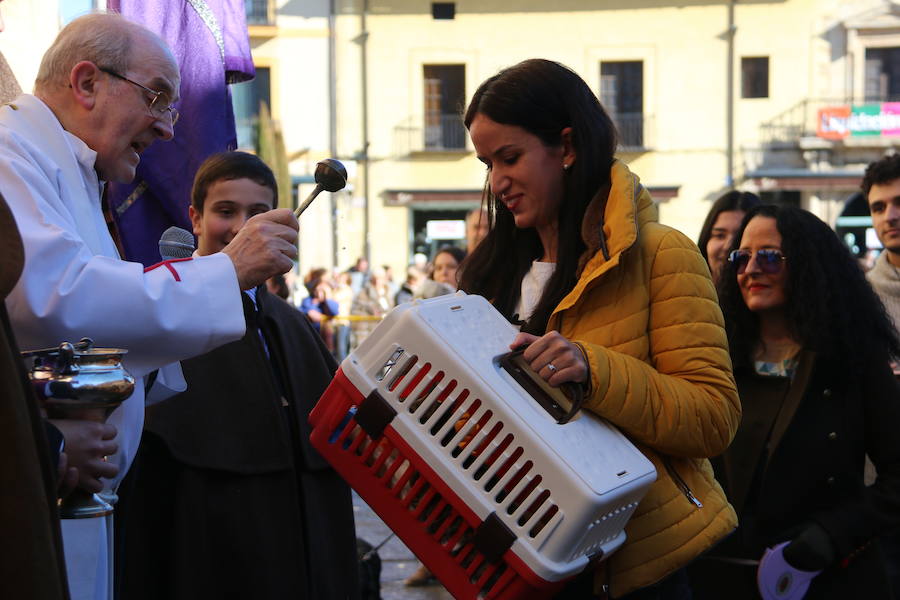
column 397, row 562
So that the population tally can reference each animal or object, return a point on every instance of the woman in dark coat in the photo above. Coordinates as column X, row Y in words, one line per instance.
column 811, row 346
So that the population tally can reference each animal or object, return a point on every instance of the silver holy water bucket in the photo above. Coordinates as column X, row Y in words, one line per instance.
column 78, row 381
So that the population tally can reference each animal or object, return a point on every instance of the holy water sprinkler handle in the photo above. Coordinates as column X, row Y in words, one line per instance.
column 330, row 176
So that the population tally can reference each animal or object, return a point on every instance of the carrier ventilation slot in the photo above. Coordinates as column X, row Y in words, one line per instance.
column 426, row 391
column 604, row 530
column 433, row 406
column 471, row 432
column 414, row 382
column 495, row 478
column 458, row 424
column 523, row 495
column 512, row 483
column 498, row 451
column 451, row 415
column 482, row 445
column 439, row 519
column 445, row 416
column 403, row 372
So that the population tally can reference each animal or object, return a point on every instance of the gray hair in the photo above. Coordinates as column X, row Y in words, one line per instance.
column 105, row 39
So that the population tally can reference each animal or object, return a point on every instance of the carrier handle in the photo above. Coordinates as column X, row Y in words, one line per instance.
column 552, row 399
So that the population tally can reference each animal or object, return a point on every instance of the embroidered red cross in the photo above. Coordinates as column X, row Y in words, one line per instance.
column 168, row 264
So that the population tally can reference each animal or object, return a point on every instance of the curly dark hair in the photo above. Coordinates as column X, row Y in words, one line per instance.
column 733, row 200
column 883, row 170
column 831, row 309
column 543, row 98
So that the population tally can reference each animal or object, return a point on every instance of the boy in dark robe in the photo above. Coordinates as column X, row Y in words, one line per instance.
column 228, row 498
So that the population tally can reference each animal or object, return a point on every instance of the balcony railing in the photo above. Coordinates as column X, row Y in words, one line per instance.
column 801, row 120
column 796, row 122
column 438, row 133
column 259, row 12
column 444, row 132
column 634, row 129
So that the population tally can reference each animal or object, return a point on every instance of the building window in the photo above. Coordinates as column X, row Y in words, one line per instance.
column 622, row 94
column 257, row 12
column 443, row 10
column 246, row 99
column 882, row 74
column 755, row 77
column 445, row 93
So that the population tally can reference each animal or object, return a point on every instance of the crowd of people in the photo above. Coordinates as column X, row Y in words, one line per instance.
column 755, row 372
column 345, row 306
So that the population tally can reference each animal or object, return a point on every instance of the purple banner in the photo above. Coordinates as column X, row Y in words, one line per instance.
column 210, row 41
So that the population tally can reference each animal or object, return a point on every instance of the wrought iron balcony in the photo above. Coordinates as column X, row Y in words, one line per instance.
column 438, row 133
column 633, row 130
column 803, row 119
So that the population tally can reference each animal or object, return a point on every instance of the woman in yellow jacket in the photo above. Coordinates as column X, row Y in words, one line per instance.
column 609, row 298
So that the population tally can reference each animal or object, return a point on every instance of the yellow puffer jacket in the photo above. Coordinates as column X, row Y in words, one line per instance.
column 646, row 312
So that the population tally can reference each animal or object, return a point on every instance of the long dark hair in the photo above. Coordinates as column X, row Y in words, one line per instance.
column 831, row 309
column 733, row 200
column 543, row 98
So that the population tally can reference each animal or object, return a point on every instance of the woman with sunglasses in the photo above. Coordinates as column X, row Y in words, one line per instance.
column 811, row 347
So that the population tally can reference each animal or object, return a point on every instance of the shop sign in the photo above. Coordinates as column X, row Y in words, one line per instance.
column 839, row 122
column 445, row 230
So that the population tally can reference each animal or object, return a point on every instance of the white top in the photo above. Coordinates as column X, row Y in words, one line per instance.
column 533, row 285
column 75, row 285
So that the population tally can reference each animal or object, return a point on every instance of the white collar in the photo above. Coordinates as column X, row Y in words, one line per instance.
column 87, row 158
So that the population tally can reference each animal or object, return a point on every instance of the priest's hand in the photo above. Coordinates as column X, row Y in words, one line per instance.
column 87, row 446
column 265, row 246
column 66, row 476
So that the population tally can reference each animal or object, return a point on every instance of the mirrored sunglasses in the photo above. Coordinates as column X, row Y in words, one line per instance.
column 769, row 260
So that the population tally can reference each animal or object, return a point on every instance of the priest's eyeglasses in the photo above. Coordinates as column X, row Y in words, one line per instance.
column 159, row 105
column 769, row 260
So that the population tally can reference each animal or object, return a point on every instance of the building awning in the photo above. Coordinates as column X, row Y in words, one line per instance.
column 805, row 179
column 659, row 193
column 427, row 196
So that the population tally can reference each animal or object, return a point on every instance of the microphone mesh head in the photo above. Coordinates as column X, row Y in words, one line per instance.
column 176, row 242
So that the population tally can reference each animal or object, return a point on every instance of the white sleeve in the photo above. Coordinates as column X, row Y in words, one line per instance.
column 66, row 292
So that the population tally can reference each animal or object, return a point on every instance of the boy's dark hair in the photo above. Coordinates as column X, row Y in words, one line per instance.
column 227, row 166
column 883, row 170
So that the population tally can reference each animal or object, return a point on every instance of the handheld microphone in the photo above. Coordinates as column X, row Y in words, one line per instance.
column 176, row 242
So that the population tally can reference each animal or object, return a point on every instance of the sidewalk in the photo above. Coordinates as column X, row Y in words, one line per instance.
column 397, row 562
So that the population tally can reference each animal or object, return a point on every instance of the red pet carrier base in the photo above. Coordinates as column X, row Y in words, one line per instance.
column 471, row 557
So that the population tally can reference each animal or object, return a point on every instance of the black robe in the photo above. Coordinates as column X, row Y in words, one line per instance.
column 227, row 498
